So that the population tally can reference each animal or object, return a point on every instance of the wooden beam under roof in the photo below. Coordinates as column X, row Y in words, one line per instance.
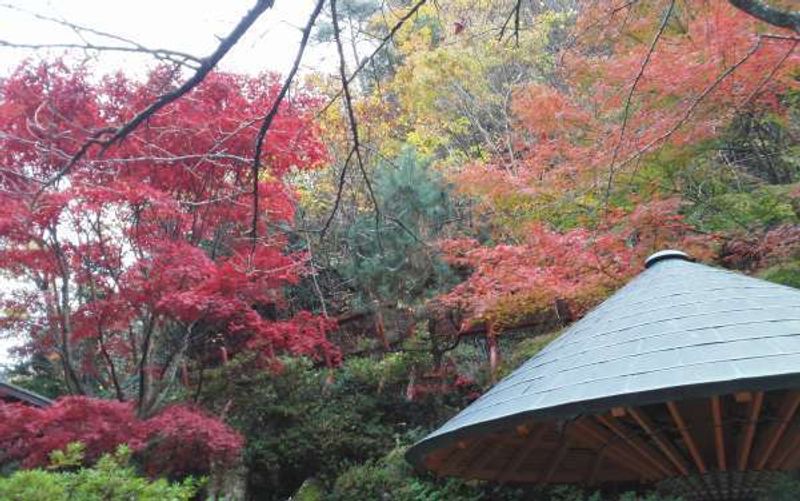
column 636, row 444
column 555, row 460
column 719, row 435
column 617, row 451
column 687, row 436
column 595, row 469
column 473, row 452
column 531, row 441
column 789, row 444
column 776, row 430
column 659, row 439
column 746, row 441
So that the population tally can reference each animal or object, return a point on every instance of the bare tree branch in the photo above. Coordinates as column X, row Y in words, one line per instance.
column 515, row 14
column 130, row 45
column 626, row 113
column 695, row 103
column 384, row 41
column 273, row 112
column 208, row 64
column 771, row 74
column 348, row 101
column 339, row 190
column 157, row 53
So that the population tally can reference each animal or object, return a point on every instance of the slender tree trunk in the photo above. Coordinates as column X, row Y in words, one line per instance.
column 494, row 355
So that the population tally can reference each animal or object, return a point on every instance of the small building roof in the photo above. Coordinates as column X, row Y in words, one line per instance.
column 13, row 393
column 678, row 330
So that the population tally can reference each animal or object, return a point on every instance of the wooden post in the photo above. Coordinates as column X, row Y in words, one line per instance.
column 719, row 436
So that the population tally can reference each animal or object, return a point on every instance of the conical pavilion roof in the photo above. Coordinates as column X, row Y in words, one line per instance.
column 678, row 332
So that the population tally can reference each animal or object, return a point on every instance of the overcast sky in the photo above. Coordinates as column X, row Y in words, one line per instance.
column 190, row 26
column 187, row 25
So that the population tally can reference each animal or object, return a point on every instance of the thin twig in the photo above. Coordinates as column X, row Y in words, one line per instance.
column 384, row 41
column 626, row 113
column 205, row 68
column 273, row 112
column 339, row 190
column 92, row 47
column 514, row 14
column 771, row 74
column 351, row 117
column 695, row 103
column 165, row 54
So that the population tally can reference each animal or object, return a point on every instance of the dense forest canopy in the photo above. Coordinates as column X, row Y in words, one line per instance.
column 279, row 282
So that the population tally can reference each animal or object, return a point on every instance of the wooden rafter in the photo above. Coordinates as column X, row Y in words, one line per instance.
column 437, row 461
column 617, row 451
column 789, row 444
column 719, row 436
column 746, row 441
column 598, row 461
column 637, row 444
column 792, row 460
column 482, row 461
column 659, row 439
column 532, row 441
column 555, row 460
column 473, row 452
column 776, row 430
column 687, row 436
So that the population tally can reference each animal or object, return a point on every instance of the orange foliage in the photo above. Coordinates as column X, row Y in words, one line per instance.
column 580, row 266
column 711, row 61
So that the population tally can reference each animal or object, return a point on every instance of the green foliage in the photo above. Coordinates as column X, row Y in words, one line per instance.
column 392, row 478
column 34, row 485
column 743, row 179
column 306, row 421
column 392, row 259
column 72, row 456
column 761, row 207
column 784, row 274
column 523, row 351
column 111, row 479
column 37, row 374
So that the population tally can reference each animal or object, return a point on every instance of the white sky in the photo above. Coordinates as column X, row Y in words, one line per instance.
column 190, row 26
column 186, row 25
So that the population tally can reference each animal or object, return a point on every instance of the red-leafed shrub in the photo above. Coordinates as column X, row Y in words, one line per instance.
column 183, row 440
column 178, row 441
column 30, row 434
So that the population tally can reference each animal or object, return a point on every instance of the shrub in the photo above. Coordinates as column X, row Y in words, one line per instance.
column 185, row 441
column 111, row 479
column 179, row 441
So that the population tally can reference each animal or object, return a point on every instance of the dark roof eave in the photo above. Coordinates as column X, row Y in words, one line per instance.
column 416, row 453
column 27, row 396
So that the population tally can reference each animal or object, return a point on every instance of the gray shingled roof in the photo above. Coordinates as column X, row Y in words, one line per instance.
column 13, row 392
column 679, row 329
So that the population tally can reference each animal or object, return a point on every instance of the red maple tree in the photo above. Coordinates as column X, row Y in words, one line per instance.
column 139, row 262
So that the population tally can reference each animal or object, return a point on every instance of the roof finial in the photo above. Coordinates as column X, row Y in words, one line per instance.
column 666, row 254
